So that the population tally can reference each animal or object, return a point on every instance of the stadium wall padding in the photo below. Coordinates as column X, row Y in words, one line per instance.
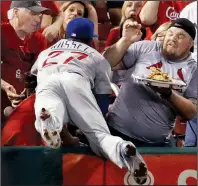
column 79, row 166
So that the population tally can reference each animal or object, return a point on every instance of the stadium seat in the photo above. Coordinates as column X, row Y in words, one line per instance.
column 180, row 127
column 102, row 14
column 101, row 46
column 103, row 30
column 179, row 131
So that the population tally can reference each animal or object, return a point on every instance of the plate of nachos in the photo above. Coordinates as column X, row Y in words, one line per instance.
column 160, row 79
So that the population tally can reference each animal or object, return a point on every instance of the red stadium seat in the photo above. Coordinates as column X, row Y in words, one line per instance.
column 19, row 129
column 101, row 46
column 102, row 14
column 179, row 131
column 103, row 30
column 180, row 126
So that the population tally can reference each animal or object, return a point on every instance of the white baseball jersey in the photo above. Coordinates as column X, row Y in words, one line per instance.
column 71, row 56
column 67, row 73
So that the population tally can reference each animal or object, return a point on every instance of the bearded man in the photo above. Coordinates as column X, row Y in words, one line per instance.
column 146, row 114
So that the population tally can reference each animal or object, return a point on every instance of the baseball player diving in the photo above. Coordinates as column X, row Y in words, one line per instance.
column 73, row 87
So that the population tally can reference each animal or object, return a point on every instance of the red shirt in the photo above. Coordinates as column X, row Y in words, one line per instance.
column 113, row 37
column 5, row 6
column 17, row 56
column 167, row 11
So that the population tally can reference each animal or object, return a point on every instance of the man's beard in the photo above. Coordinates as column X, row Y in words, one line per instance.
column 173, row 56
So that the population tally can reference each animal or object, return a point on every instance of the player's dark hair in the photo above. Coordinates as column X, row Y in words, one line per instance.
column 143, row 30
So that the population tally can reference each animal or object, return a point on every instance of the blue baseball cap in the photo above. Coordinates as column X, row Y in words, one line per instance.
column 80, row 28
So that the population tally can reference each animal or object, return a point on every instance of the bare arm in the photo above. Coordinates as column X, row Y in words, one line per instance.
column 51, row 31
column 185, row 106
column 131, row 34
column 58, row 20
column 149, row 12
column 114, row 53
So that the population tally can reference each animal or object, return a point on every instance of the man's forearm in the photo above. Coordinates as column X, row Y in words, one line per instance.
column 149, row 12
column 185, row 107
column 58, row 20
column 115, row 52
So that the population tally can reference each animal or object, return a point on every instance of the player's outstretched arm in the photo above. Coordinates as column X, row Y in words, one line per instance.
column 131, row 33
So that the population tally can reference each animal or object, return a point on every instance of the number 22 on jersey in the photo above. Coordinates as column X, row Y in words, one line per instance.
column 62, row 57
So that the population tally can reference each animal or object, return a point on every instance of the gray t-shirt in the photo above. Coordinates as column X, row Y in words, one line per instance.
column 138, row 111
column 74, row 57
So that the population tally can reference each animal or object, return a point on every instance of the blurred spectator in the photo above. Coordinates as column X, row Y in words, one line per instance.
column 146, row 114
column 118, row 75
column 129, row 10
column 155, row 13
column 59, row 3
column 49, row 29
column 114, row 9
column 190, row 12
column 5, row 6
column 21, row 44
column 161, row 32
column 73, row 9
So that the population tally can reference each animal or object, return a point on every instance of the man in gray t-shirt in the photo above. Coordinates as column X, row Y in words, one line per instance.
column 144, row 113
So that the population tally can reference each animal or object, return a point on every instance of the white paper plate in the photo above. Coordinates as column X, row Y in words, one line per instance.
column 175, row 84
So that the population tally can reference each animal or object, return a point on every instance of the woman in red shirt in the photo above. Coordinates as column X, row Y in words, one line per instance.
column 129, row 10
column 74, row 9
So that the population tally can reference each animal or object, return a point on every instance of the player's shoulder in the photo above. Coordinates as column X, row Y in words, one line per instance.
column 43, row 53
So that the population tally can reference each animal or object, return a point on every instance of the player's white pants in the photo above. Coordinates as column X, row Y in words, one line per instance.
column 68, row 96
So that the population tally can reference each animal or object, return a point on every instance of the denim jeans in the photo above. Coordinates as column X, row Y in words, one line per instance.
column 191, row 133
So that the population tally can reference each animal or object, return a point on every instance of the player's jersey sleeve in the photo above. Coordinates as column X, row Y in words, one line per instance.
column 102, row 80
column 191, row 91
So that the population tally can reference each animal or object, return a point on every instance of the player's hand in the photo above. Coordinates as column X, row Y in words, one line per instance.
column 132, row 32
column 51, row 33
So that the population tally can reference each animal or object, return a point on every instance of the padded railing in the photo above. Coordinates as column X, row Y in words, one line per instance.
column 78, row 165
